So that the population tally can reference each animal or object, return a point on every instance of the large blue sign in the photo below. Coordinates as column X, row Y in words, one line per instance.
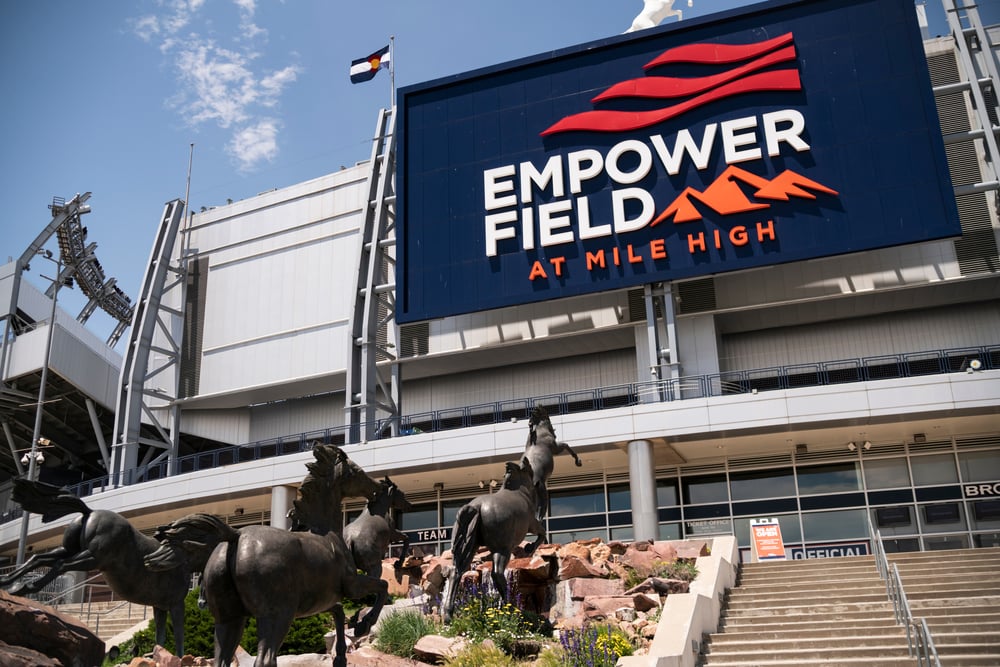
column 780, row 132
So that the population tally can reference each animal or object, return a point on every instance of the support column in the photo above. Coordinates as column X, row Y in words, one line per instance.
column 282, row 498
column 642, row 485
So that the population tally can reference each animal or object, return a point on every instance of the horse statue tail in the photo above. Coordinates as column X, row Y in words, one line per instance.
column 52, row 502
column 463, row 544
column 189, row 541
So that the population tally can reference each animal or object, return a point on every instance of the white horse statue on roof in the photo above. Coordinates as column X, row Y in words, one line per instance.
column 653, row 12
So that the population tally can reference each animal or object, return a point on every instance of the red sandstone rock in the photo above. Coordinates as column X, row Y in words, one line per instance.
column 41, row 628
column 574, row 549
column 581, row 588
column 571, row 566
column 19, row 656
column 666, row 551
column 533, row 569
column 164, row 658
column 435, row 648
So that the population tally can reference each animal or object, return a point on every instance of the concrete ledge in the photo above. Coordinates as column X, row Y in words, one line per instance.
column 688, row 616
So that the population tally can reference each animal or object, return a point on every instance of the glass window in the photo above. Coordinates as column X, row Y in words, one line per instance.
column 939, row 542
column 836, row 525
column 828, row 478
column 896, row 520
column 623, row 533
column 934, row 469
column 582, row 501
column 572, row 535
column 886, row 473
column 985, row 540
column 980, row 466
column 619, row 498
column 941, row 517
column 666, row 492
column 762, row 484
column 705, row 489
column 985, row 514
column 421, row 516
column 449, row 510
column 670, row 531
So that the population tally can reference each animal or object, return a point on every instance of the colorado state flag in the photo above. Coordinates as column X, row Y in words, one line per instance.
column 364, row 69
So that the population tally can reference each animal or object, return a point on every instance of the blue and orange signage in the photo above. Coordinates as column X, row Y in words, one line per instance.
column 785, row 131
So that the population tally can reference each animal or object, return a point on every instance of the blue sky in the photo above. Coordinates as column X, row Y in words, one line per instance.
column 107, row 97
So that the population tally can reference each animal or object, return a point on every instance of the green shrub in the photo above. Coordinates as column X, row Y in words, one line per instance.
column 683, row 570
column 399, row 631
column 481, row 655
column 304, row 636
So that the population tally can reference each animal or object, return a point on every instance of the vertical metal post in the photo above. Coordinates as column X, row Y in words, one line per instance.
column 37, row 431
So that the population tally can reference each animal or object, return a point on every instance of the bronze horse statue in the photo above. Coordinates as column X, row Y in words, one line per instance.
column 497, row 521
column 540, row 450
column 105, row 541
column 278, row 575
column 370, row 535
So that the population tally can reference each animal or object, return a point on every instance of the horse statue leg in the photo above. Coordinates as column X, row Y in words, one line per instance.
column 160, row 621
column 340, row 648
column 271, row 629
column 499, row 573
column 400, row 536
column 177, row 618
column 36, row 561
column 82, row 561
column 563, row 447
column 360, row 587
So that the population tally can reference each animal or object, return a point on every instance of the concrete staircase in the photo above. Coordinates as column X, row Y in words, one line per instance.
column 836, row 612
column 108, row 619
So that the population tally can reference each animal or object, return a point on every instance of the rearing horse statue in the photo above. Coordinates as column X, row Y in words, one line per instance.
column 539, row 451
column 278, row 575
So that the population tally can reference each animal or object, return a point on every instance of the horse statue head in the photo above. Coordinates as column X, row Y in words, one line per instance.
column 330, row 478
column 517, row 475
column 388, row 497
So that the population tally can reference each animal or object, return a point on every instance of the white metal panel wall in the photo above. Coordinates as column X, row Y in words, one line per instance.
column 315, row 413
column 911, row 331
column 282, row 268
column 526, row 323
column 520, row 381
column 888, row 268
column 226, row 426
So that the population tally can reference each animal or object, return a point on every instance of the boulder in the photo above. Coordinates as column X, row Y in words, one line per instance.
column 691, row 549
column 436, row 649
column 19, row 656
column 666, row 551
column 305, row 660
column 571, row 567
column 661, row 586
column 32, row 625
column 366, row 656
column 164, row 658
column 533, row 569
column 575, row 549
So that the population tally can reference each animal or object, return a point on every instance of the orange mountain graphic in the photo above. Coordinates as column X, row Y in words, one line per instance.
column 726, row 196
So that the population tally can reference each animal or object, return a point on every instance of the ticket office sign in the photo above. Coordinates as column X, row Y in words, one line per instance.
column 778, row 132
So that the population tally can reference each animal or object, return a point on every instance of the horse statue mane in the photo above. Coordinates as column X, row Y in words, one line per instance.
column 317, row 504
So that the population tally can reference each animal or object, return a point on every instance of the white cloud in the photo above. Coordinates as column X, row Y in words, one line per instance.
column 221, row 84
column 255, row 143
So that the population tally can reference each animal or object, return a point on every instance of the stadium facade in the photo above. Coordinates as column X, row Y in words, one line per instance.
column 835, row 390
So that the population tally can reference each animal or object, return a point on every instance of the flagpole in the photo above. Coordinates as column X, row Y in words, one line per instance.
column 392, row 74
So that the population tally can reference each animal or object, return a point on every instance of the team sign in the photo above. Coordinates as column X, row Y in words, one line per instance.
column 777, row 133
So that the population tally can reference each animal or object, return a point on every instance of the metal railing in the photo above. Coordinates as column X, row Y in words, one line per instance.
column 795, row 376
column 919, row 642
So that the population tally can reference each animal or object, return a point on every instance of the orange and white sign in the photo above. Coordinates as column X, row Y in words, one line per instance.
column 765, row 538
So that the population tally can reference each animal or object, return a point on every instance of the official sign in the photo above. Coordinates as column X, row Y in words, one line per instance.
column 780, row 132
column 838, row 550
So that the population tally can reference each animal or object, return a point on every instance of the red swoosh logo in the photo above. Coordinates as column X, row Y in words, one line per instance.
column 699, row 90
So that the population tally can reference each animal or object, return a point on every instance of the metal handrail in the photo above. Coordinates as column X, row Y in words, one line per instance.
column 919, row 642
